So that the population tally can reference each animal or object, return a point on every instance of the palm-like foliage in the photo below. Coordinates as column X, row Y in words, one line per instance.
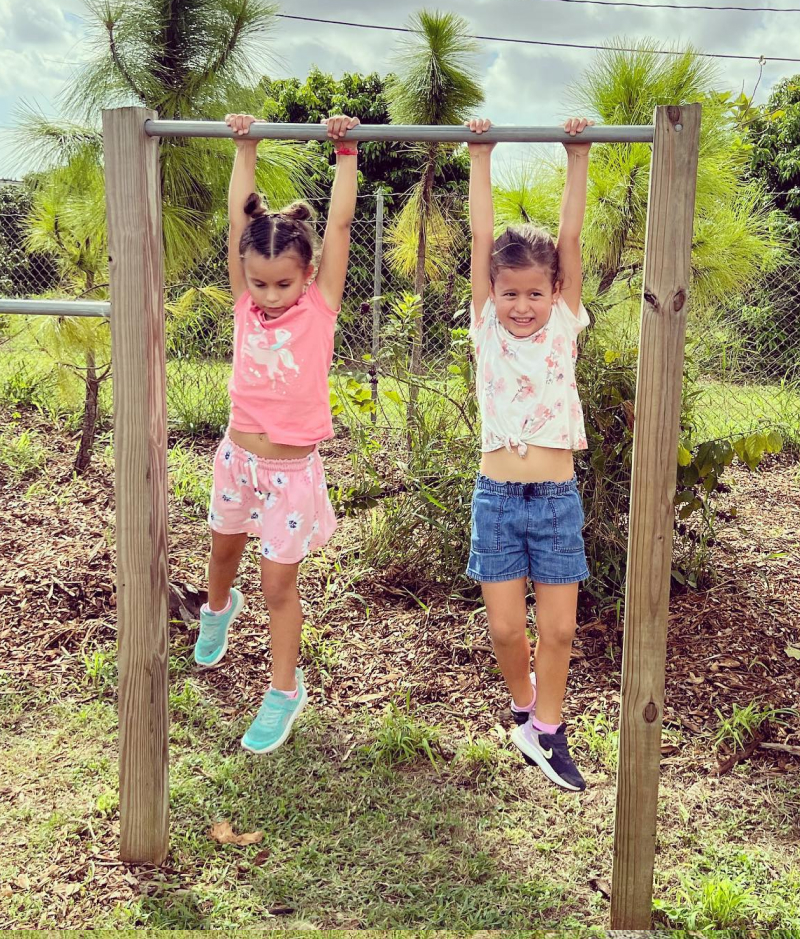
column 179, row 58
column 444, row 237
column 435, row 82
column 734, row 239
column 184, row 60
column 528, row 192
column 67, row 221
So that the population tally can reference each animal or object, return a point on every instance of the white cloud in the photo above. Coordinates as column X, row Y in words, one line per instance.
column 41, row 40
column 35, row 23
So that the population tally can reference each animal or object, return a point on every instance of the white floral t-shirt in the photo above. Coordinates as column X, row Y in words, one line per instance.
column 526, row 387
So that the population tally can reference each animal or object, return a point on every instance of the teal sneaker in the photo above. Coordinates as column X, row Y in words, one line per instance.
column 275, row 717
column 212, row 643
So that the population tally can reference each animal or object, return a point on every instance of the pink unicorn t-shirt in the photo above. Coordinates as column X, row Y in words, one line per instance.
column 279, row 384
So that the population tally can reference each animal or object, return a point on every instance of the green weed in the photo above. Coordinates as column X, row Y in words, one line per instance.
column 101, row 670
column 22, row 453
column 743, row 724
column 713, row 902
column 479, row 756
column 319, row 650
column 402, row 739
column 189, row 478
column 596, row 733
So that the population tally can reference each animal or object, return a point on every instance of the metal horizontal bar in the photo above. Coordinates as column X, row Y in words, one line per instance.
column 405, row 132
column 56, row 307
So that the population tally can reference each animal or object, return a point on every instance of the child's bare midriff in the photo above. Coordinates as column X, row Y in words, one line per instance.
column 539, row 465
column 262, row 446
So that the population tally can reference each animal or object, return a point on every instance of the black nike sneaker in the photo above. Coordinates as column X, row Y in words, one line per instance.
column 550, row 753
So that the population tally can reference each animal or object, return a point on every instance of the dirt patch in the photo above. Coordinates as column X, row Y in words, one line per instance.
column 727, row 644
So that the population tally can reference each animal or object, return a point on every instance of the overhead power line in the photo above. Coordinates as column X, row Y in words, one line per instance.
column 541, row 42
column 681, row 6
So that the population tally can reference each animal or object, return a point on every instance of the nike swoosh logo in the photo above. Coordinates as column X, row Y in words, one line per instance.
column 548, row 754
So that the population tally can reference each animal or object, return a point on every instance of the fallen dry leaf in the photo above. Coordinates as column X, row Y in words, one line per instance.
column 224, row 834
column 66, row 890
column 6, row 891
column 23, row 882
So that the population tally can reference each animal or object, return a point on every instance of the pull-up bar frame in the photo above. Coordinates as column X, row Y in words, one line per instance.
column 404, row 133
column 133, row 199
column 56, row 307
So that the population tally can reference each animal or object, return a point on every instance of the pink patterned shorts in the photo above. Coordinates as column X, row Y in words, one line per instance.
column 284, row 502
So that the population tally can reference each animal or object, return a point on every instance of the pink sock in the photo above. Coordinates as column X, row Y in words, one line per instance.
column 291, row 695
column 207, row 608
column 528, row 707
column 542, row 727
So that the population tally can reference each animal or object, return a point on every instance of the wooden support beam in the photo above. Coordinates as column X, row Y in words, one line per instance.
column 670, row 214
column 133, row 203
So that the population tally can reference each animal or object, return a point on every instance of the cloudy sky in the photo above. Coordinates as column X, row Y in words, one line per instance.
column 44, row 41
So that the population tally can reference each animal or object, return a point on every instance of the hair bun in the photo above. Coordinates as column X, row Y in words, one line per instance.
column 299, row 211
column 253, row 206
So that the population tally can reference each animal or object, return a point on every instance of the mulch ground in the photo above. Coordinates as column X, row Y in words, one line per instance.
column 729, row 643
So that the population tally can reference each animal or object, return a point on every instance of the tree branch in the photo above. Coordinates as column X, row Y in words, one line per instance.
column 112, row 45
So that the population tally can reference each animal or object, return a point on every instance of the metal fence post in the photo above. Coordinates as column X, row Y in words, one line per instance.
column 377, row 288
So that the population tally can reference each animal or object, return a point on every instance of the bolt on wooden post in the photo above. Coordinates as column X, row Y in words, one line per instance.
column 668, row 241
column 133, row 205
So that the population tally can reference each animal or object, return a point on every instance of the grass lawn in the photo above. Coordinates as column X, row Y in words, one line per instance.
column 197, row 400
column 724, row 409
column 394, row 815
column 352, row 839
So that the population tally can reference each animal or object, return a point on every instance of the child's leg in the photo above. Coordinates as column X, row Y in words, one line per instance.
column 507, row 610
column 226, row 554
column 556, row 612
column 279, row 583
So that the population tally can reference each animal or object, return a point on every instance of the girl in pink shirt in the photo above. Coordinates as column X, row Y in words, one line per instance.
column 268, row 476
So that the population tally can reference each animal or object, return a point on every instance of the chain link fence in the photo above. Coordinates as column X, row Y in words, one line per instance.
column 744, row 356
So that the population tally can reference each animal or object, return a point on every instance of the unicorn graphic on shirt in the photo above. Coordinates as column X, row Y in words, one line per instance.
column 273, row 357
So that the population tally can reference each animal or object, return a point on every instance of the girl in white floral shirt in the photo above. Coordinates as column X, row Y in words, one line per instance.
column 527, row 516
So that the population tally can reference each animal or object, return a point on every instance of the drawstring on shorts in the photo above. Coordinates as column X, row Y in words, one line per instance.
column 254, row 477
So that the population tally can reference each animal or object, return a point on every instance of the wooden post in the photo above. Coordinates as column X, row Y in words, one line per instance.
column 670, row 213
column 377, row 290
column 133, row 204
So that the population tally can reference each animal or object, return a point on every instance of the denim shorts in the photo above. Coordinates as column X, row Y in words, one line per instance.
column 527, row 530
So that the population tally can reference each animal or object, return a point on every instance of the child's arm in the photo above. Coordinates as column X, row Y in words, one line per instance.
column 336, row 243
column 481, row 215
column 573, row 210
column 243, row 182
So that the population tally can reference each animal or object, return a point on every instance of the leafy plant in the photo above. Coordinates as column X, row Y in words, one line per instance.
column 189, row 478
column 319, row 648
column 737, row 730
column 596, row 733
column 101, row 670
column 402, row 739
column 716, row 902
column 22, row 454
